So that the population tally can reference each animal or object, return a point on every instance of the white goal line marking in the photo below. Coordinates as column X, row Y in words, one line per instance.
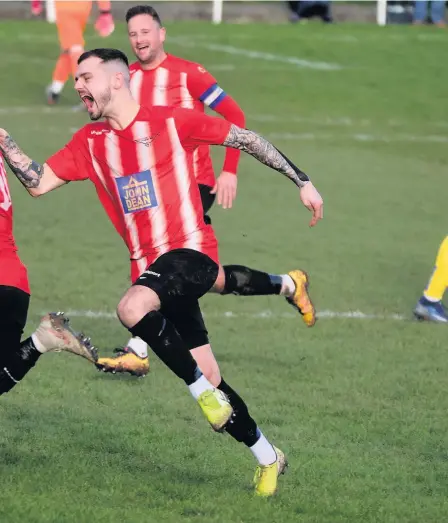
column 267, row 314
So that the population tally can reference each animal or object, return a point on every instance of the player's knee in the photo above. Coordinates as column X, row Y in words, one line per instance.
column 76, row 49
column 135, row 304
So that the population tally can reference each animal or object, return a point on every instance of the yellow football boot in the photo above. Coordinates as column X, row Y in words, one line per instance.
column 301, row 300
column 266, row 476
column 126, row 360
column 216, row 408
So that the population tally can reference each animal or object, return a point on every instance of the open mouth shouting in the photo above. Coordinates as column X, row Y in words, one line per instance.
column 88, row 101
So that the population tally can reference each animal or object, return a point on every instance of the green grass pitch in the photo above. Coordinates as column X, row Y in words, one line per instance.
column 358, row 404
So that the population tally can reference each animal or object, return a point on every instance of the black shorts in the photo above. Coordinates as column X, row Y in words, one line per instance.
column 207, row 201
column 179, row 278
column 14, row 305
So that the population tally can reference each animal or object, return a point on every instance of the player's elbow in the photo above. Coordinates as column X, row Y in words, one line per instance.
column 35, row 192
column 241, row 117
column 238, row 117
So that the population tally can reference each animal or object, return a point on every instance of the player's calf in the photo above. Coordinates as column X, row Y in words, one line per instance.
column 17, row 364
column 243, row 281
column 207, row 363
column 242, row 428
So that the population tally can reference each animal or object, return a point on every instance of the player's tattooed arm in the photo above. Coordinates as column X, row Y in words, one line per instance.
column 26, row 169
column 38, row 179
column 258, row 147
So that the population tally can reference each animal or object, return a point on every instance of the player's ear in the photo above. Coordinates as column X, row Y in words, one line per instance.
column 118, row 81
column 162, row 34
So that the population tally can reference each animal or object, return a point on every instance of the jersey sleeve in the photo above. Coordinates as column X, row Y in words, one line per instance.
column 204, row 87
column 70, row 162
column 195, row 128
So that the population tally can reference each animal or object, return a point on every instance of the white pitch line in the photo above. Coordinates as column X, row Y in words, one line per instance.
column 341, row 121
column 267, row 314
column 359, row 137
column 37, row 109
column 316, row 136
column 259, row 55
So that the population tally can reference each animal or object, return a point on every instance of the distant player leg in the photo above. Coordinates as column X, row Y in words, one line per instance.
column 61, row 74
column 70, row 26
column 430, row 306
column 176, row 276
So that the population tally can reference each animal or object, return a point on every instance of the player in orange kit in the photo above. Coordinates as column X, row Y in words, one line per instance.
column 71, row 20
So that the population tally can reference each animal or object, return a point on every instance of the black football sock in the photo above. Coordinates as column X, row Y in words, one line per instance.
column 243, row 281
column 241, row 426
column 163, row 338
column 17, row 364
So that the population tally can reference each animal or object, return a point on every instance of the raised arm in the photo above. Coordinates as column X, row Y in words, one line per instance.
column 36, row 178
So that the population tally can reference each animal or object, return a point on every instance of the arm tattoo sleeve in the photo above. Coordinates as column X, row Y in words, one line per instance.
column 264, row 152
column 27, row 170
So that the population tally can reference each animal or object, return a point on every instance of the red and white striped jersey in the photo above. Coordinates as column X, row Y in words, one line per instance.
column 12, row 271
column 144, row 178
column 180, row 83
column 6, row 235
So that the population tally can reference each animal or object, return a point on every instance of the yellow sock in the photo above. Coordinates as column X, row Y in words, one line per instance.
column 439, row 279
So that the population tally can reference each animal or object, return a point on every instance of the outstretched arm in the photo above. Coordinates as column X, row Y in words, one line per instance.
column 196, row 129
column 258, row 147
column 36, row 178
column 266, row 153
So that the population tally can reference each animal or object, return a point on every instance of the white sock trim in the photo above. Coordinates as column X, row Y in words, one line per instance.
column 39, row 346
column 263, row 451
column 56, row 87
column 138, row 346
column 199, row 386
column 431, row 299
column 288, row 285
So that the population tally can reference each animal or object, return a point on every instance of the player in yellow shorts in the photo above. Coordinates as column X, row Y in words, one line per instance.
column 430, row 306
column 71, row 21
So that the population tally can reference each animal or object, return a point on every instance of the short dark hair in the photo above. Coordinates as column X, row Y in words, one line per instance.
column 143, row 10
column 105, row 55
